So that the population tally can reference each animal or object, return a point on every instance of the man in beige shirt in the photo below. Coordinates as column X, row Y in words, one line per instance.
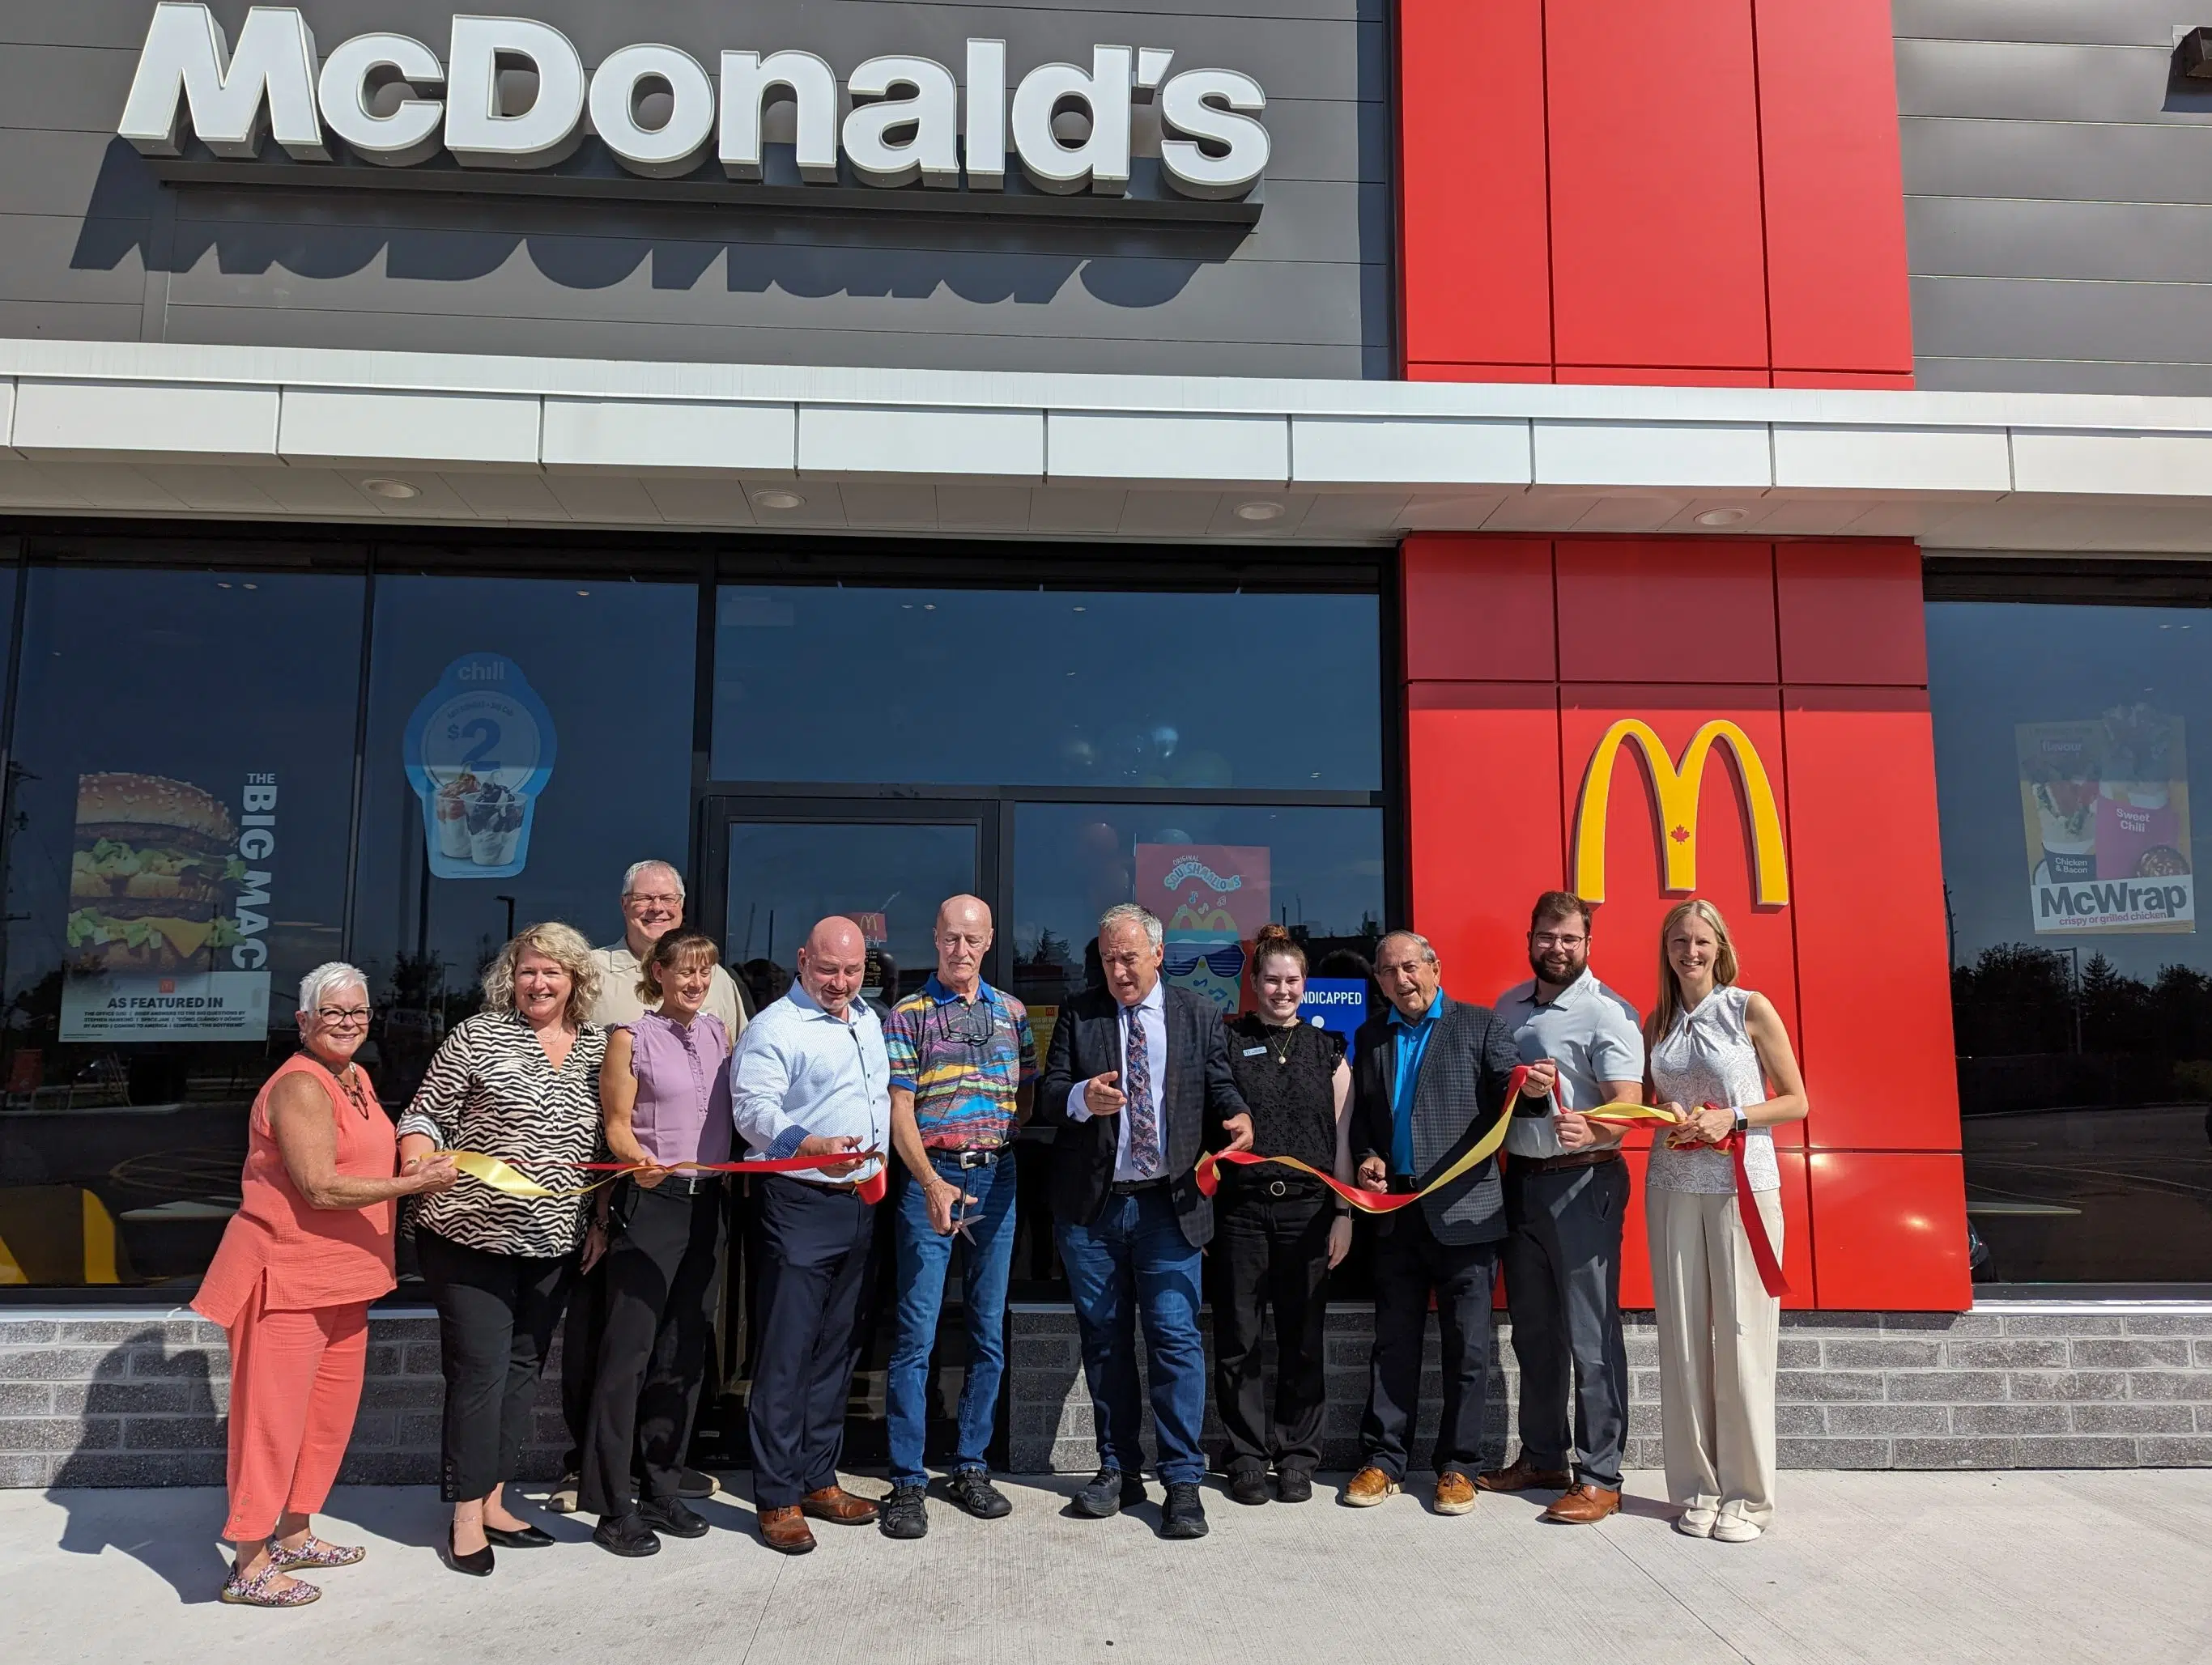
column 652, row 905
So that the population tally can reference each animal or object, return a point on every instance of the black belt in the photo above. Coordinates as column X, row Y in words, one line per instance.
column 1254, row 1186
column 966, row 1159
column 684, row 1184
column 1133, row 1187
column 1581, row 1159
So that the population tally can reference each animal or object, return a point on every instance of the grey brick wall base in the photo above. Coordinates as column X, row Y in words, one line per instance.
column 94, row 1397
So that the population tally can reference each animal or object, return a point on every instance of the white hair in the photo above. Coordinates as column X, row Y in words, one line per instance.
column 629, row 878
column 1428, row 949
column 326, row 980
column 1134, row 913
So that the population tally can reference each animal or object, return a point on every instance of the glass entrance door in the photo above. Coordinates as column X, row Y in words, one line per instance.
column 775, row 866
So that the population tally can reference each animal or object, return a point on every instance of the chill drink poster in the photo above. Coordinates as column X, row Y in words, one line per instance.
column 170, row 897
column 2106, row 804
column 1212, row 899
column 479, row 749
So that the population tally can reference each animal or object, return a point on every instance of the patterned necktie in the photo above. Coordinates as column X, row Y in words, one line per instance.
column 1144, row 1118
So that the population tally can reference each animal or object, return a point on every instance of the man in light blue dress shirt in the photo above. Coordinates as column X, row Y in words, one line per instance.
column 811, row 1078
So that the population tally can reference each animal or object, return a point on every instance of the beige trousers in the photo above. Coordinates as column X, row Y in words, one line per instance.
column 1718, row 1330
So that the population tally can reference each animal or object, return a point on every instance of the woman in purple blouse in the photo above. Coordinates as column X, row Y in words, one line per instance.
column 664, row 1099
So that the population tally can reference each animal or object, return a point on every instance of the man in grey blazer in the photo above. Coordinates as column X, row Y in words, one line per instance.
column 1431, row 1080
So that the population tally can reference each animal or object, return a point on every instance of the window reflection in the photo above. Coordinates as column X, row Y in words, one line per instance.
column 184, row 765
column 609, row 664
column 2082, row 983
column 1046, row 687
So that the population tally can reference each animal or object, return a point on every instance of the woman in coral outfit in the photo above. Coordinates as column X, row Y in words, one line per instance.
column 309, row 1247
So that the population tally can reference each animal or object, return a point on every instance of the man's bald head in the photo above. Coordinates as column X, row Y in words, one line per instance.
column 964, row 937
column 831, row 963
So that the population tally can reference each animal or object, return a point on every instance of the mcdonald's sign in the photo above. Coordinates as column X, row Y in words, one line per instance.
column 1674, row 789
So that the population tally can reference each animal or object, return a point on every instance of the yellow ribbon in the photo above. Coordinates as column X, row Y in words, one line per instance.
column 513, row 1181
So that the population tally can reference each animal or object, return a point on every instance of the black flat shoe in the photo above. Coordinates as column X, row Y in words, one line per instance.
column 477, row 1563
column 626, row 1535
column 527, row 1537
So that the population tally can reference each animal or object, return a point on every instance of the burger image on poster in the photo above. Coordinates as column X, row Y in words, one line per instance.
column 478, row 750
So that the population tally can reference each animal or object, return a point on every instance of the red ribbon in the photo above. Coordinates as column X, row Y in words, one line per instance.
column 871, row 1189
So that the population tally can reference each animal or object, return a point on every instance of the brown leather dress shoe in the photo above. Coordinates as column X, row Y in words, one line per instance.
column 1583, row 1506
column 786, row 1529
column 1524, row 1476
column 1368, row 1487
column 835, row 1505
column 1454, row 1494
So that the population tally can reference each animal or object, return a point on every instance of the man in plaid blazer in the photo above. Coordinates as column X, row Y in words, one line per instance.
column 1431, row 1080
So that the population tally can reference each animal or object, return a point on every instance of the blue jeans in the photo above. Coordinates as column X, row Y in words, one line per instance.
column 923, row 1256
column 1135, row 1265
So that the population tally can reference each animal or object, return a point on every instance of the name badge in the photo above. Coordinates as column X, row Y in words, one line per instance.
column 1255, row 1052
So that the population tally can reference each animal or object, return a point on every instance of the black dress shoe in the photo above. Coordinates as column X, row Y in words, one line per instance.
column 905, row 1513
column 525, row 1537
column 1294, row 1484
column 1108, row 1492
column 1185, row 1515
column 477, row 1563
column 972, row 1490
column 626, row 1535
column 674, row 1517
column 1248, row 1485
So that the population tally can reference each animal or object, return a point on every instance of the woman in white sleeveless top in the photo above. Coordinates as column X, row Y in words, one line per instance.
column 1713, row 1049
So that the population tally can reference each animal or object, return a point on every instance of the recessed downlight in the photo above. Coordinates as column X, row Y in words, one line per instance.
column 1722, row 516
column 1261, row 510
column 779, row 499
column 399, row 490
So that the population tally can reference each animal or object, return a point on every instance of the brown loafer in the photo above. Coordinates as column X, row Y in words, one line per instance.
column 1454, row 1494
column 1368, row 1487
column 1524, row 1476
column 1582, row 1505
column 786, row 1529
column 835, row 1505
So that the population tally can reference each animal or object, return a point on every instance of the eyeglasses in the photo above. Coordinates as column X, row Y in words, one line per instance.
column 977, row 1024
column 339, row 1017
column 1554, row 939
column 661, row 898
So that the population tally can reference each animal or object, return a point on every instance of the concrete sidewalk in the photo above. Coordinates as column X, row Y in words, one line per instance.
column 1888, row 1567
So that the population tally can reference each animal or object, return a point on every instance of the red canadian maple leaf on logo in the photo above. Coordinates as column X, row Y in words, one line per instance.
column 1681, row 835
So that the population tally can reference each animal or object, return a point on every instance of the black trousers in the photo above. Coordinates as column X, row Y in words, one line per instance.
column 1563, row 1286
column 1269, row 1251
column 660, row 1283
column 581, row 1332
column 1411, row 1266
column 815, row 1259
column 496, row 1316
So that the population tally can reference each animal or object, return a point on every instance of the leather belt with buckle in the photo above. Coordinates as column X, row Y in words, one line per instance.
column 1132, row 1187
column 966, row 1159
column 1581, row 1159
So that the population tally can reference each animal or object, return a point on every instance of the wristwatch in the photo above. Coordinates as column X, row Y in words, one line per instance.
column 1742, row 1120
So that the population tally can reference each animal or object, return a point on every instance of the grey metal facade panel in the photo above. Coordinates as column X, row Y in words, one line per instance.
column 2058, row 196
column 1306, row 292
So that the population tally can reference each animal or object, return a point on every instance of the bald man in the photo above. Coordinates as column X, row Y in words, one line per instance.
column 811, row 1078
column 962, row 1065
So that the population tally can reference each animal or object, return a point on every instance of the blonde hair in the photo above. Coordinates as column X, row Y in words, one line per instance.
column 668, row 948
column 1669, row 1006
column 566, row 948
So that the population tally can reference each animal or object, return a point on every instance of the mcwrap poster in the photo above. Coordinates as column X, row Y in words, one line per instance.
column 2104, row 801
column 1212, row 899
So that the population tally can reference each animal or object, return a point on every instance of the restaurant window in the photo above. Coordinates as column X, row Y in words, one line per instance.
column 180, row 793
column 1194, row 690
column 2080, row 974
column 528, row 739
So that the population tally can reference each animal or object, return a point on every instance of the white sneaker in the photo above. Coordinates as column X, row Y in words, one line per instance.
column 561, row 1500
column 1696, row 1523
column 1734, row 1530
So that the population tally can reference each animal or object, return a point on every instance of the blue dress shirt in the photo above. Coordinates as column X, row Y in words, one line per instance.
column 798, row 1071
column 1412, row 1038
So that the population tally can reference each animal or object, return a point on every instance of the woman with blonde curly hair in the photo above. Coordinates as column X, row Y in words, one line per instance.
column 520, row 1080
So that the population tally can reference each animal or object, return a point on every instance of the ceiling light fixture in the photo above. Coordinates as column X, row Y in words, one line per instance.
column 399, row 490
column 779, row 499
column 1722, row 516
column 1260, row 511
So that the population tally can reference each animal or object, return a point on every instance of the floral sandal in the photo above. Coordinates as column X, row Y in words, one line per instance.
column 314, row 1552
column 258, row 1591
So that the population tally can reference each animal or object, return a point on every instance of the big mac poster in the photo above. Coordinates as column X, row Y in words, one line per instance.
column 166, row 928
column 1212, row 899
column 2106, row 804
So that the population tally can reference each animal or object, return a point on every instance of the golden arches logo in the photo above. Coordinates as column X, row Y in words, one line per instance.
column 1676, row 788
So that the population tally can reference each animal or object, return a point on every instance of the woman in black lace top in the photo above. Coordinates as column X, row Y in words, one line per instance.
column 1278, row 1231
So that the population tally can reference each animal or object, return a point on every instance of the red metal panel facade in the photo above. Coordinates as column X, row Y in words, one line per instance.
column 1851, row 951
column 1670, row 192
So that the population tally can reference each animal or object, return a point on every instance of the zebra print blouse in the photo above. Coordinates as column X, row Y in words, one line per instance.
column 490, row 1089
